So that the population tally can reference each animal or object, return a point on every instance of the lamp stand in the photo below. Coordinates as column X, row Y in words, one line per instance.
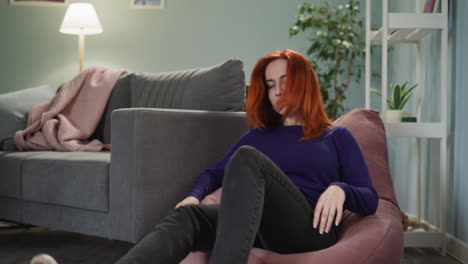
column 81, row 48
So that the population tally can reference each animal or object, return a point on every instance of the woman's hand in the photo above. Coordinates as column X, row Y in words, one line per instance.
column 188, row 200
column 330, row 203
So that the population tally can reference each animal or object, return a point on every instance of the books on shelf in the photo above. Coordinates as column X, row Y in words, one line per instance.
column 431, row 6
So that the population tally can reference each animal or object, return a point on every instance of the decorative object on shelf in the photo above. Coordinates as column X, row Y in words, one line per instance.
column 39, row 2
column 397, row 99
column 158, row 4
column 409, row 119
column 81, row 19
column 431, row 6
column 393, row 116
column 337, row 43
column 412, row 224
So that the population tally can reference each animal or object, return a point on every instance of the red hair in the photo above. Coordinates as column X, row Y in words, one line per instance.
column 301, row 96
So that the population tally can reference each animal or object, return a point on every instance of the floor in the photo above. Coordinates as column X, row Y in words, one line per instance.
column 18, row 245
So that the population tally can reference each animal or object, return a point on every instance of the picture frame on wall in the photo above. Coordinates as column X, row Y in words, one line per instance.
column 39, row 2
column 156, row 4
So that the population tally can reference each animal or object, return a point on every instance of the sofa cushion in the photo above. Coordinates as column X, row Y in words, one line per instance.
column 14, row 107
column 75, row 179
column 217, row 88
column 11, row 166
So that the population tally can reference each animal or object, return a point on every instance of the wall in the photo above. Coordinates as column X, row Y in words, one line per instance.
column 185, row 34
column 458, row 215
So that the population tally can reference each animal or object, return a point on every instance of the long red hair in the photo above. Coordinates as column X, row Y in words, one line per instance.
column 301, row 96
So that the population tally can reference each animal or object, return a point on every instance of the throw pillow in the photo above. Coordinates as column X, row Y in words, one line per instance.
column 14, row 107
column 216, row 88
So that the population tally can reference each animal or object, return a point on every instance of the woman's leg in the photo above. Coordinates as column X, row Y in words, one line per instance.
column 187, row 228
column 259, row 197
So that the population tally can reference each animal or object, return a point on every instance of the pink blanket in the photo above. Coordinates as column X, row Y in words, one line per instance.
column 66, row 121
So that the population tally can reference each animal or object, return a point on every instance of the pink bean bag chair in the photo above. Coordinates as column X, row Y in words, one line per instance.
column 372, row 239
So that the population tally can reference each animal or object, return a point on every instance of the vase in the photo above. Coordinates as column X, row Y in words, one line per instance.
column 394, row 116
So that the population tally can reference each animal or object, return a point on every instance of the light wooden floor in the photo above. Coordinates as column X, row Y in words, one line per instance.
column 17, row 246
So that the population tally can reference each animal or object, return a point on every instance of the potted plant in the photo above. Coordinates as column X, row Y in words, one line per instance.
column 399, row 96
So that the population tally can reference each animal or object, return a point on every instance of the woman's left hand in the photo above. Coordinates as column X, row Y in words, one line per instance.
column 330, row 203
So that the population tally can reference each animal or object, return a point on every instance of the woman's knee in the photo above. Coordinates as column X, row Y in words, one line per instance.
column 245, row 153
column 180, row 215
column 192, row 212
column 245, row 158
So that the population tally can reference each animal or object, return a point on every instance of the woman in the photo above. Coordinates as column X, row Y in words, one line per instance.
column 285, row 182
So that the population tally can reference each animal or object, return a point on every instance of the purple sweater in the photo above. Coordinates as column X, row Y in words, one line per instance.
column 313, row 165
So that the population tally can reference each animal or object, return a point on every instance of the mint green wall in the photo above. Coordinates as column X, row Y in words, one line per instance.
column 458, row 216
column 186, row 34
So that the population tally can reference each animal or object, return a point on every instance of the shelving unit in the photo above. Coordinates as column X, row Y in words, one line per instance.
column 411, row 28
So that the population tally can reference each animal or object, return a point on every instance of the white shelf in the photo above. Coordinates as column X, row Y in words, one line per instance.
column 424, row 239
column 412, row 28
column 415, row 21
column 402, row 35
column 410, row 129
column 427, row 236
column 409, row 28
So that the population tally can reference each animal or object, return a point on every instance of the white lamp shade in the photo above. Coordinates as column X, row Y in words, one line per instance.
column 81, row 18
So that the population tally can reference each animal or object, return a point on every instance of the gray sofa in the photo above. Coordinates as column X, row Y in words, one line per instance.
column 158, row 148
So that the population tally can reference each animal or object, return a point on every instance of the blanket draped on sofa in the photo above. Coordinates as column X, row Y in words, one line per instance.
column 66, row 121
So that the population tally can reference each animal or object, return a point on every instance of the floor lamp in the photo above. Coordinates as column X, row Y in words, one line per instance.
column 81, row 19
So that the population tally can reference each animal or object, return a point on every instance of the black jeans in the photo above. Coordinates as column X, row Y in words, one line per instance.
column 260, row 207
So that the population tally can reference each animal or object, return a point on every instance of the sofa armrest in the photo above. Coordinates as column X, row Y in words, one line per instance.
column 156, row 155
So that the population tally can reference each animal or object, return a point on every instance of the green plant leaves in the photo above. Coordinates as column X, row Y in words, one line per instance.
column 396, row 97
column 399, row 95
column 336, row 37
column 376, row 91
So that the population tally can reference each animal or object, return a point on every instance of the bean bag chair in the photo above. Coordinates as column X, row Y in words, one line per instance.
column 371, row 239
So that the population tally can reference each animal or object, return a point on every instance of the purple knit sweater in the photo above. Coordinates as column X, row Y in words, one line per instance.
column 313, row 165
